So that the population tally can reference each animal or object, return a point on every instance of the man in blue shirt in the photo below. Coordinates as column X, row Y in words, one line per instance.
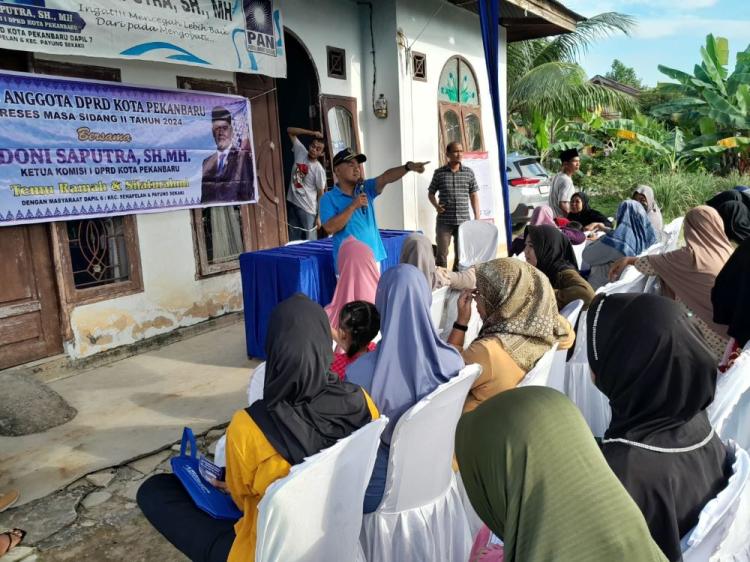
column 346, row 210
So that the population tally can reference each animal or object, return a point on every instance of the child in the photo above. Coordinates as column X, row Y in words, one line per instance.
column 359, row 323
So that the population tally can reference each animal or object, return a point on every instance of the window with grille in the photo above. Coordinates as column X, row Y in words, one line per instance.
column 419, row 66
column 336, row 62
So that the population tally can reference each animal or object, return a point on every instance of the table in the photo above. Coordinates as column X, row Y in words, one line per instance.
column 270, row 276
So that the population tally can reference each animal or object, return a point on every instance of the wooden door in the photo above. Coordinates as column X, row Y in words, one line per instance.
column 29, row 308
column 268, row 215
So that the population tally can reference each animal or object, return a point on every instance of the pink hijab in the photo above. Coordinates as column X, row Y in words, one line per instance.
column 358, row 280
column 543, row 214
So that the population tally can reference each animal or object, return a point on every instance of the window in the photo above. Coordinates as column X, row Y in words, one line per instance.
column 220, row 234
column 419, row 66
column 458, row 105
column 340, row 126
column 99, row 257
column 336, row 62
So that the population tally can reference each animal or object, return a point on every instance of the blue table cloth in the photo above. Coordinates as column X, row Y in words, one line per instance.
column 270, row 276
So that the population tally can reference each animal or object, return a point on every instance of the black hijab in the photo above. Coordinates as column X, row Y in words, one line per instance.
column 731, row 295
column 305, row 408
column 587, row 214
column 734, row 208
column 553, row 250
column 649, row 360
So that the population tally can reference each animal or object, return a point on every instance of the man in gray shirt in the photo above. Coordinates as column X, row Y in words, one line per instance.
column 562, row 188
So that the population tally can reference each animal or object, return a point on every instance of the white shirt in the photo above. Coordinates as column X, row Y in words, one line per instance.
column 303, row 187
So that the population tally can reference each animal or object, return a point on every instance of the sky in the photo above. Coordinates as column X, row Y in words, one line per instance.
column 667, row 32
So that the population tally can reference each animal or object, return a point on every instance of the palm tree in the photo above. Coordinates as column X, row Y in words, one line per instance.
column 545, row 78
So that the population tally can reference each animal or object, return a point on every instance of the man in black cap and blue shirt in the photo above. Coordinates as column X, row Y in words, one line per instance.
column 562, row 189
column 347, row 209
column 228, row 173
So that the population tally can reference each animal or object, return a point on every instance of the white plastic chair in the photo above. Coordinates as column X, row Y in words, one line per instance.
column 631, row 281
column 256, row 384
column 421, row 516
column 315, row 513
column 723, row 530
column 539, row 374
column 578, row 252
column 730, row 411
column 557, row 375
column 477, row 243
column 437, row 308
column 672, row 234
column 581, row 389
column 450, row 314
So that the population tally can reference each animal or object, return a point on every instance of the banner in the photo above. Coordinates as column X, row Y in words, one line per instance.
column 83, row 148
column 236, row 35
column 480, row 165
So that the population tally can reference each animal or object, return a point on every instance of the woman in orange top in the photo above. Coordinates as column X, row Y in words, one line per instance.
column 305, row 409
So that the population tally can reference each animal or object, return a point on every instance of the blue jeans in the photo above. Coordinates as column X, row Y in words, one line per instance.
column 301, row 219
column 376, row 487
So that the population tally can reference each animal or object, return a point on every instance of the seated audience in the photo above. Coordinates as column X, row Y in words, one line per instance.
column 520, row 324
column 305, row 409
column 535, row 476
column 648, row 359
column 688, row 274
column 410, row 361
column 734, row 208
column 572, row 230
column 359, row 323
column 581, row 212
column 417, row 251
column 730, row 297
column 541, row 215
column 632, row 236
column 644, row 194
column 550, row 252
column 358, row 279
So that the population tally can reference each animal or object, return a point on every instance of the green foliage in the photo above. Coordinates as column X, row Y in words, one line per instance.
column 624, row 75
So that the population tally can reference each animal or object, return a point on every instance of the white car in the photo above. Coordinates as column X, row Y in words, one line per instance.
column 528, row 186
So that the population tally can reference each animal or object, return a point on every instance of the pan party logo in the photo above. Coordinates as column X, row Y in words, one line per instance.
column 259, row 26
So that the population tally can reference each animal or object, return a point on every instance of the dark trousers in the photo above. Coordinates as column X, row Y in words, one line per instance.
column 299, row 218
column 443, row 234
column 171, row 511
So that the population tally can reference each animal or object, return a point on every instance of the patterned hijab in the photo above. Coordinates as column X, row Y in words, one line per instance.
column 417, row 251
column 652, row 207
column 634, row 233
column 521, row 309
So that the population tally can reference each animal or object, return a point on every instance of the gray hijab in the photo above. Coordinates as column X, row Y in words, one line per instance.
column 652, row 208
column 417, row 251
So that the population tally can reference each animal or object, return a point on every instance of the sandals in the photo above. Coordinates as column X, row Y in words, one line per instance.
column 18, row 535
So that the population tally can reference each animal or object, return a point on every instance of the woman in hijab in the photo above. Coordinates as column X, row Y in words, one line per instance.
column 417, row 251
column 535, row 476
column 644, row 194
column 734, row 208
column 520, row 324
column 689, row 273
column 305, row 409
column 633, row 235
column 550, row 252
column 730, row 297
column 648, row 359
column 544, row 215
column 410, row 361
column 581, row 212
column 357, row 282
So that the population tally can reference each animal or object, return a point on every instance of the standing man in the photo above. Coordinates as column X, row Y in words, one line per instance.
column 228, row 173
column 306, row 186
column 457, row 186
column 562, row 189
column 347, row 209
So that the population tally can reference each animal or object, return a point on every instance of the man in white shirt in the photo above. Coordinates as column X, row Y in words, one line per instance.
column 306, row 186
column 562, row 188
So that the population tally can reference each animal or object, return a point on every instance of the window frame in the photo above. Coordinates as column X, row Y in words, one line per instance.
column 326, row 104
column 204, row 269
column 461, row 109
column 71, row 295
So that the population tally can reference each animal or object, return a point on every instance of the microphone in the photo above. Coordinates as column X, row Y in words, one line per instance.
column 360, row 190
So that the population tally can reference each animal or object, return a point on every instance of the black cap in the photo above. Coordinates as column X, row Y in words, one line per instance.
column 568, row 155
column 346, row 155
column 220, row 113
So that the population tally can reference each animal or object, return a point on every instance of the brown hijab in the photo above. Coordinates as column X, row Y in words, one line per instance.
column 690, row 272
column 521, row 308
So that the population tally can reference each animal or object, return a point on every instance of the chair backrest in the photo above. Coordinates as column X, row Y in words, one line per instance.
column 539, row 374
column 672, row 234
column 578, row 252
column 439, row 297
column 571, row 311
column 477, row 243
column 450, row 315
column 257, row 382
column 729, row 413
column 631, row 281
column 315, row 513
column 723, row 529
column 556, row 378
column 419, row 464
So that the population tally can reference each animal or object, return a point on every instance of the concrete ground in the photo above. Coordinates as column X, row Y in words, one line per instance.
column 78, row 480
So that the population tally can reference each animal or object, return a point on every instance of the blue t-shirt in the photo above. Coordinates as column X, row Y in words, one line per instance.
column 362, row 225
